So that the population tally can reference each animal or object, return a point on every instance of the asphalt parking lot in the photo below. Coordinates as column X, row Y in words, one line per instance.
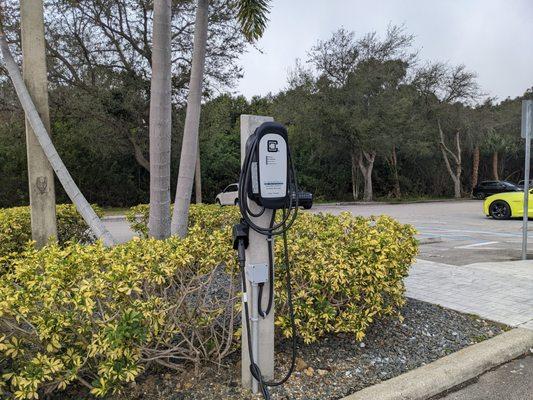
column 462, row 233
column 511, row 381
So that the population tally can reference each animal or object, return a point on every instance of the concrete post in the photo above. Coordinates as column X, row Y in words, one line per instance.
column 40, row 172
column 257, row 253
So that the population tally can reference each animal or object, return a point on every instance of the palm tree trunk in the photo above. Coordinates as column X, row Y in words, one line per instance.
column 84, row 208
column 40, row 172
column 495, row 174
column 160, row 122
column 198, row 179
column 189, row 147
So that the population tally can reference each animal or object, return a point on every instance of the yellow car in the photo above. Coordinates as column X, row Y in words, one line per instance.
column 507, row 205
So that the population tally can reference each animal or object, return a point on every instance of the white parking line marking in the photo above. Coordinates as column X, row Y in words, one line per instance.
column 468, row 246
column 493, row 233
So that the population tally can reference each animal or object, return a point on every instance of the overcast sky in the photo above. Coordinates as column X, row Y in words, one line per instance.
column 491, row 37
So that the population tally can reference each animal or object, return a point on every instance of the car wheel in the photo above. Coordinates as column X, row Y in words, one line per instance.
column 480, row 196
column 236, row 202
column 500, row 210
column 217, row 201
column 308, row 206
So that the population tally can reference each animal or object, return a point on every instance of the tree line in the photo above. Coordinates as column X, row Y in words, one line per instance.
column 367, row 118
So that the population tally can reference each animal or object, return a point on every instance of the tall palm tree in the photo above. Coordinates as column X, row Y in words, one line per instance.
column 252, row 16
column 189, row 146
column 40, row 172
column 84, row 208
column 160, row 122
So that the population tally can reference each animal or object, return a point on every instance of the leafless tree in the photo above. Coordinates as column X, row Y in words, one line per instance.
column 445, row 87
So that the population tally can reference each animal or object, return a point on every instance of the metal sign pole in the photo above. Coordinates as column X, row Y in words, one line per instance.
column 526, row 199
column 527, row 123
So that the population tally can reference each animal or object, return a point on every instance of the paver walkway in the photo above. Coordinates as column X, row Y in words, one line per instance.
column 498, row 291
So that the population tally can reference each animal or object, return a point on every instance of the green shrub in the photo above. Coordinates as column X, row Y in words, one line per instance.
column 15, row 227
column 346, row 272
column 207, row 216
column 99, row 316
column 137, row 217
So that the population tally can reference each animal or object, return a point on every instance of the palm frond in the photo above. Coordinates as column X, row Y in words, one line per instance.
column 253, row 17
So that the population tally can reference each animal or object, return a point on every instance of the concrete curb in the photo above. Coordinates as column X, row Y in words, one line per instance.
column 114, row 218
column 377, row 202
column 450, row 371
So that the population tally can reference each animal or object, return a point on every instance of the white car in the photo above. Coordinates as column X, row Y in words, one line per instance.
column 229, row 196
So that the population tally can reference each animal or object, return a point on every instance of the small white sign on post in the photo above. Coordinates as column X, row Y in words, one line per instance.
column 526, row 131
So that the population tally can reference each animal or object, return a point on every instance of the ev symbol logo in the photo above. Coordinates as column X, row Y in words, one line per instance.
column 272, row 146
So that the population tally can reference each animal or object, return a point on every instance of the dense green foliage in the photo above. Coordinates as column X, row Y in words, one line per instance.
column 110, row 176
column 100, row 316
column 15, row 227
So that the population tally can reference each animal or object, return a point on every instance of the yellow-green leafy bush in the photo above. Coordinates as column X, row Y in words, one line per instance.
column 97, row 316
column 207, row 216
column 346, row 272
column 15, row 227
column 137, row 217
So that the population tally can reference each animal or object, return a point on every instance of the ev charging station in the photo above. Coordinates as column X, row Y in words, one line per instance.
column 267, row 185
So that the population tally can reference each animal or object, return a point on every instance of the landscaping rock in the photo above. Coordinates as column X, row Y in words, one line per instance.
column 300, row 364
column 337, row 365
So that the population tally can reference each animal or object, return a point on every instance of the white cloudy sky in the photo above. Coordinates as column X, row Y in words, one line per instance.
column 492, row 37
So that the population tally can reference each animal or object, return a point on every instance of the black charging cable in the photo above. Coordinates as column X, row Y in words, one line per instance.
column 270, row 240
column 240, row 243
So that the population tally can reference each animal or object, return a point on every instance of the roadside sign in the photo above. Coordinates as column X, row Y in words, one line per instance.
column 527, row 118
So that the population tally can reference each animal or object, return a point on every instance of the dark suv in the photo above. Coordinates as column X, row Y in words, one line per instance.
column 305, row 199
column 520, row 184
column 488, row 188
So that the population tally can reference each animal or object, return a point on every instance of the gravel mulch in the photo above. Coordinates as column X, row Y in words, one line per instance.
column 337, row 365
